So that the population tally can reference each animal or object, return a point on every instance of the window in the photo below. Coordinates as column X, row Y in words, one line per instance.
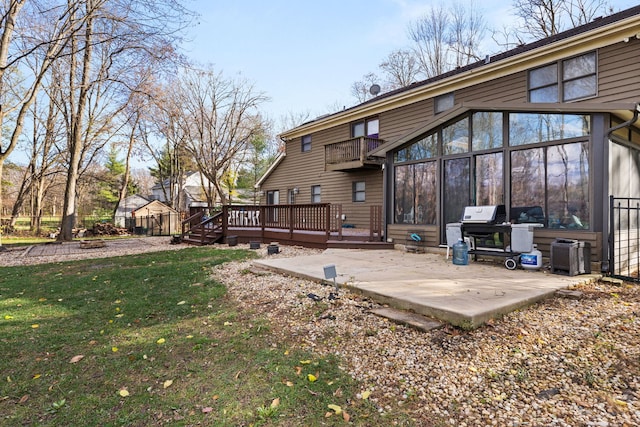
column 550, row 185
column 443, row 103
column 415, row 193
column 358, row 191
column 455, row 137
column 315, row 194
column 306, row 143
column 368, row 127
column 530, row 128
column 424, row 148
column 487, row 131
column 578, row 80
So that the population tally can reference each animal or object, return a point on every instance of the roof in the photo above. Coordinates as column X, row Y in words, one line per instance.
column 598, row 33
column 621, row 109
column 273, row 166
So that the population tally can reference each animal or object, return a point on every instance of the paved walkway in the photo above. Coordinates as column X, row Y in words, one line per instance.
column 69, row 248
column 429, row 284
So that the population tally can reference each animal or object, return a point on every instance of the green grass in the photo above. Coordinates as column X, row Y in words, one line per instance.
column 158, row 327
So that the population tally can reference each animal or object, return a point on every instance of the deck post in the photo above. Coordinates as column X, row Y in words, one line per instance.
column 291, row 222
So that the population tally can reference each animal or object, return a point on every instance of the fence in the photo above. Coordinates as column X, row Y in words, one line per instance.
column 624, row 238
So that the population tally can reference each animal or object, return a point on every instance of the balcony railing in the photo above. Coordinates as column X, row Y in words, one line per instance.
column 352, row 153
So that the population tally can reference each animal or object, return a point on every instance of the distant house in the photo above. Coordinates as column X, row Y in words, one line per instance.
column 548, row 129
column 190, row 193
column 126, row 207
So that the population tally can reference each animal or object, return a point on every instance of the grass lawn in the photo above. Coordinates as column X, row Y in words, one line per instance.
column 152, row 340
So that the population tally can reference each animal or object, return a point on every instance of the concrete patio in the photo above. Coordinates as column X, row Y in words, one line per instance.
column 429, row 284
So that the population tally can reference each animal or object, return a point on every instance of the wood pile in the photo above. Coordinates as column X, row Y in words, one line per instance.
column 108, row 229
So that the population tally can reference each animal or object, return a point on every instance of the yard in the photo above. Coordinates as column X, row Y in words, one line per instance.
column 152, row 339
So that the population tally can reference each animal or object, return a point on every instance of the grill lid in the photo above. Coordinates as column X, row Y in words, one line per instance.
column 495, row 214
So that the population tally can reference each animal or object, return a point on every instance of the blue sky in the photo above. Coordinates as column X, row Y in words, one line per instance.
column 306, row 54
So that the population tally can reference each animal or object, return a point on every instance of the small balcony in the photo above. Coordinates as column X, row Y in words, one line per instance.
column 352, row 154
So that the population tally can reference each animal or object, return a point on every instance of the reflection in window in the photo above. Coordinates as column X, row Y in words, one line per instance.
column 579, row 77
column 543, row 84
column 369, row 127
column 527, row 186
column 528, row 128
column 487, row 131
column 489, row 180
column 455, row 137
column 568, row 185
column 456, row 188
column 415, row 193
column 551, row 185
column 306, row 143
column 424, row 148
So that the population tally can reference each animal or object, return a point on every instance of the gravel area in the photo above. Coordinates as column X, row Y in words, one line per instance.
column 561, row 362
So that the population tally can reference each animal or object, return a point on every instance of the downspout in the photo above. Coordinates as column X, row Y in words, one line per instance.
column 608, row 222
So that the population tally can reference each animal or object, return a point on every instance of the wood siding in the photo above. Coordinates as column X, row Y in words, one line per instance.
column 304, row 170
column 618, row 81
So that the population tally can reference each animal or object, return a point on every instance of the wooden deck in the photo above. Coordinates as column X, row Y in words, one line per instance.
column 312, row 225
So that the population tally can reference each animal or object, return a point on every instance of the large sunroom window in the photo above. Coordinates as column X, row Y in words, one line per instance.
column 530, row 128
column 550, row 185
column 415, row 190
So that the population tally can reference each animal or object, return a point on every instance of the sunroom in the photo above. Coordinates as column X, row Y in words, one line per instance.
column 548, row 165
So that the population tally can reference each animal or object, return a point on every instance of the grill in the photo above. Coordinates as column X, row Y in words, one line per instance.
column 488, row 231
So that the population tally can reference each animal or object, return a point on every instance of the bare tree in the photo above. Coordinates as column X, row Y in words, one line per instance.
column 538, row 19
column 28, row 30
column 361, row 89
column 118, row 36
column 429, row 35
column 401, row 68
column 220, row 119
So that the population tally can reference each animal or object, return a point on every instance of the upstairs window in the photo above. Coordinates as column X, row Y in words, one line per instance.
column 566, row 80
column 306, row 143
column 368, row 127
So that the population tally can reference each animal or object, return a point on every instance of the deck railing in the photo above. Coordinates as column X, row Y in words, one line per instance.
column 354, row 149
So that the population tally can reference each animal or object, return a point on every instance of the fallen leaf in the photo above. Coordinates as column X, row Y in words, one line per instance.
column 328, row 414
column 189, row 336
column 289, row 384
column 42, row 299
column 8, row 317
column 207, row 410
column 335, row 408
column 24, row 398
column 305, row 362
column 114, row 349
column 312, row 378
column 366, row 394
column 228, row 324
column 123, row 392
column 76, row 359
column 36, row 376
column 215, row 397
column 181, row 303
column 346, row 417
column 298, row 370
column 35, row 326
column 167, row 383
column 275, row 402
column 9, row 379
column 161, row 341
